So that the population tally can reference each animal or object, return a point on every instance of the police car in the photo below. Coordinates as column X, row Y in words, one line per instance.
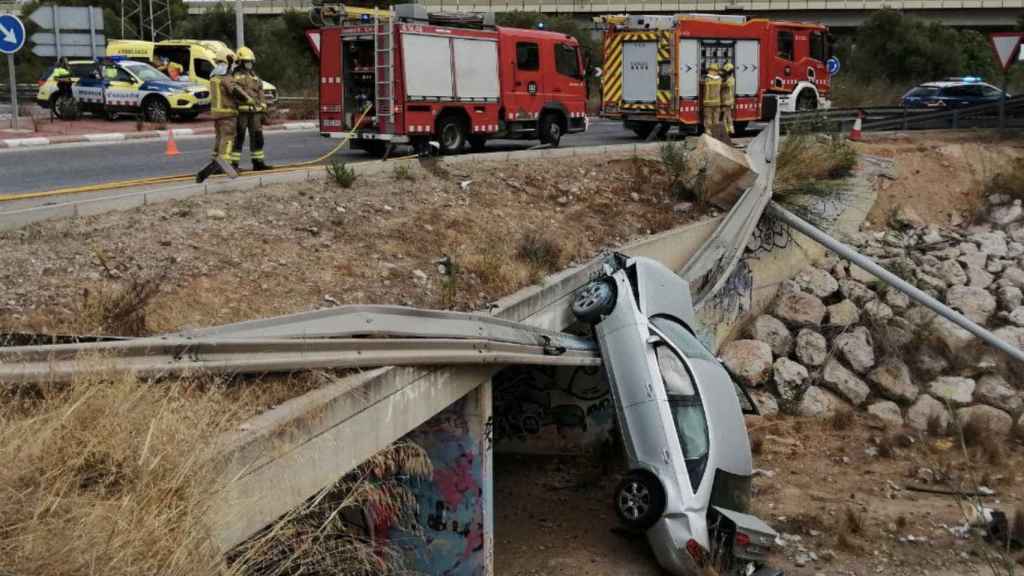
column 952, row 93
column 115, row 86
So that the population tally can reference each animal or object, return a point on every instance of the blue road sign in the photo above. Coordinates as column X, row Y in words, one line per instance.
column 12, row 34
column 833, row 66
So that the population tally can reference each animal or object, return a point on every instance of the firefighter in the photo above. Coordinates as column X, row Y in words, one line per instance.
column 728, row 96
column 250, row 116
column 712, row 98
column 225, row 95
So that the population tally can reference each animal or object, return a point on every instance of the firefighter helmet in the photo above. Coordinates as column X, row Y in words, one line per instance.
column 713, row 67
column 728, row 67
column 245, row 54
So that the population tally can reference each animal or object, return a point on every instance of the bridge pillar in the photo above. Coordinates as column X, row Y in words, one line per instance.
column 456, row 506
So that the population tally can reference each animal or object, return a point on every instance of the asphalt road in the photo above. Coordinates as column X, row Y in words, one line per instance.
column 63, row 166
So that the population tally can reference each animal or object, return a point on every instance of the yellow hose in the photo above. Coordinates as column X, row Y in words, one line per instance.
column 179, row 178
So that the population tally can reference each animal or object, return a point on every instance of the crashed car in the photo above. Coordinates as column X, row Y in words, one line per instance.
column 681, row 420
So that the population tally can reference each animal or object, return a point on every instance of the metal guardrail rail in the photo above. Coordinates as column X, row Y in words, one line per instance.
column 897, row 118
column 26, row 93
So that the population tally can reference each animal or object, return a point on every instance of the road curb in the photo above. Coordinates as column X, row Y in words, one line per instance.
column 37, row 141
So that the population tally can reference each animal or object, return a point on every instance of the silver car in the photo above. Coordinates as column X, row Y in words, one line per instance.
column 681, row 420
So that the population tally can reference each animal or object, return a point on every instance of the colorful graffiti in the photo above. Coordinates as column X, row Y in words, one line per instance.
column 572, row 403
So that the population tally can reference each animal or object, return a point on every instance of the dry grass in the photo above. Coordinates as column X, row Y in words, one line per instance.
column 937, row 428
column 842, row 420
column 806, row 158
column 112, row 476
column 853, row 521
column 117, row 309
column 850, row 93
column 540, row 250
column 1009, row 180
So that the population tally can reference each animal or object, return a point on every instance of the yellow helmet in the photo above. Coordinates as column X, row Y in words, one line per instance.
column 728, row 67
column 713, row 67
column 246, row 54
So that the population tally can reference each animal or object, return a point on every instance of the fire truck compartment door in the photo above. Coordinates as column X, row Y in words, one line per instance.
column 748, row 73
column 476, row 68
column 639, row 71
column 689, row 68
column 428, row 72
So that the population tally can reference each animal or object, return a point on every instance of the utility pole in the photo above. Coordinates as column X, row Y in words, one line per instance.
column 239, row 25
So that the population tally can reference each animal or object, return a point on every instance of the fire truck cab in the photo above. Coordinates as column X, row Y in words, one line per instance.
column 408, row 77
column 655, row 65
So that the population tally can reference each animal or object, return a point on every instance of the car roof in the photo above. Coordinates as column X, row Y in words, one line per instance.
column 949, row 83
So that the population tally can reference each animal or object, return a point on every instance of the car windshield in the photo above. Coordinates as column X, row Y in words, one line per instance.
column 923, row 92
column 682, row 338
column 145, row 72
column 687, row 411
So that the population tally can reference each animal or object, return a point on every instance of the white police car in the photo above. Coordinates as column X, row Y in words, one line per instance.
column 120, row 86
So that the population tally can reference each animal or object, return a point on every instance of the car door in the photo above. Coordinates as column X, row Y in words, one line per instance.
column 120, row 89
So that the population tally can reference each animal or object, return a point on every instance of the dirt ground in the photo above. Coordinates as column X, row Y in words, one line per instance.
column 554, row 515
column 940, row 173
column 290, row 248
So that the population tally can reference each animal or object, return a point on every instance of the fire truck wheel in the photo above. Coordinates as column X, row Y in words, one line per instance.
column 476, row 143
column 550, row 129
column 451, row 131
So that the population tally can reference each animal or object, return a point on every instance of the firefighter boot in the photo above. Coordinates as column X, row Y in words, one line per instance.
column 206, row 172
column 259, row 165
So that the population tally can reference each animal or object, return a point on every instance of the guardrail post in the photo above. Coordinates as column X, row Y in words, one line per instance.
column 906, row 126
column 956, row 119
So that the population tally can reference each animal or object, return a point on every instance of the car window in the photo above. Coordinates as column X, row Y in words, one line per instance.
column 527, row 56
column 923, row 92
column 673, row 372
column 82, row 70
column 204, row 68
column 954, row 91
column 687, row 410
column 682, row 338
column 785, row 45
column 145, row 72
column 990, row 91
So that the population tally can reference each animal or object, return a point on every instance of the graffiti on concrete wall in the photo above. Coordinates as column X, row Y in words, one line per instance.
column 451, row 503
column 549, row 409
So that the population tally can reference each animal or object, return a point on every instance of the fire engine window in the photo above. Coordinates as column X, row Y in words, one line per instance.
column 527, row 56
column 785, row 45
column 566, row 61
column 818, row 46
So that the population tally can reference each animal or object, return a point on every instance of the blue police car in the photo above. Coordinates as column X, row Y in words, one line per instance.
column 951, row 93
column 116, row 86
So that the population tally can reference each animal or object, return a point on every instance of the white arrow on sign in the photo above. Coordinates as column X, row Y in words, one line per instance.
column 9, row 36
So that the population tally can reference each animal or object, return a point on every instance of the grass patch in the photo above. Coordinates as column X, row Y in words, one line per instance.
column 403, row 172
column 806, row 157
column 542, row 251
column 683, row 185
column 118, row 309
column 341, row 173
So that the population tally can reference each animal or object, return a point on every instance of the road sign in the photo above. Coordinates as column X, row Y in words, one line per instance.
column 313, row 37
column 12, row 34
column 50, row 51
column 68, row 18
column 1006, row 46
column 833, row 66
column 68, row 38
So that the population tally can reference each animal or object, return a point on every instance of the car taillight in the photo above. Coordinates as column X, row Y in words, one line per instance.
column 40, row 82
column 742, row 539
column 696, row 552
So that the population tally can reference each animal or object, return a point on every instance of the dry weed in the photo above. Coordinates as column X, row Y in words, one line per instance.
column 937, row 427
column 542, row 251
column 978, row 434
column 842, row 420
column 117, row 309
column 853, row 521
column 496, row 268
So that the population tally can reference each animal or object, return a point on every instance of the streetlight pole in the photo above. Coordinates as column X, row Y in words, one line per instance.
column 239, row 25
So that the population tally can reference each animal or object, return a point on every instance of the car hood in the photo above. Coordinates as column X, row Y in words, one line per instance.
column 661, row 292
column 167, row 86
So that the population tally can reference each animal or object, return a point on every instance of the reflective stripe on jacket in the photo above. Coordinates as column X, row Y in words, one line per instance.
column 222, row 100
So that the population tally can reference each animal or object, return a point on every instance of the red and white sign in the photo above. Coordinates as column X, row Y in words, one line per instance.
column 313, row 36
column 1006, row 46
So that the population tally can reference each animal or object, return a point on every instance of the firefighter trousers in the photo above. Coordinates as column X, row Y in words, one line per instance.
column 727, row 112
column 251, row 122
column 711, row 117
column 224, row 143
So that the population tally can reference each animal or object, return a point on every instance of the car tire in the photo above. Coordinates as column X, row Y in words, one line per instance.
column 639, row 501
column 550, row 129
column 593, row 301
column 451, row 133
column 156, row 110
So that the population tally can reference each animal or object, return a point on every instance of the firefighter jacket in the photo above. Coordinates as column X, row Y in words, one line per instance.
column 712, row 90
column 225, row 95
column 252, row 84
column 729, row 91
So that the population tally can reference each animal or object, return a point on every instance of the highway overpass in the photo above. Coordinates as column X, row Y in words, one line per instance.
column 837, row 13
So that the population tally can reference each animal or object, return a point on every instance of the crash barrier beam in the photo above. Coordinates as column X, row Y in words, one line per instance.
column 891, row 279
column 176, row 357
column 898, row 118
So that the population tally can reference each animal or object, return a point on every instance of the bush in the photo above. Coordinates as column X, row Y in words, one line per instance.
column 342, row 174
column 682, row 184
column 543, row 252
column 1009, row 181
column 403, row 172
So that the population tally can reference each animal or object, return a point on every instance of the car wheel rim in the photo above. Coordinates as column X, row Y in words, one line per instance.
column 634, row 501
column 589, row 297
column 450, row 136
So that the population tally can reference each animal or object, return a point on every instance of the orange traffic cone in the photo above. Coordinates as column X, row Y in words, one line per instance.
column 855, row 133
column 172, row 148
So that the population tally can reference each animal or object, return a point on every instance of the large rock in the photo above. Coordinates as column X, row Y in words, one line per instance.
column 929, row 362
column 818, row 282
column 772, row 331
column 924, row 410
column 888, row 412
column 973, row 302
column 811, row 348
column 952, row 273
column 892, row 380
column 765, row 401
column 898, row 333
column 954, row 338
column 856, row 291
column 896, row 299
column 959, row 391
column 799, row 310
column 1012, row 335
column 1010, row 297
column 1014, row 275
column 749, row 361
column 843, row 314
column 877, row 312
column 820, row 403
column 998, row 422
column 840, row 380
column 856, row 349
column 861, row 275
column 726, row 171
column 1005, row 214
column 979, row 278
column 993, row 390
column 991, row 243
column 790, row 379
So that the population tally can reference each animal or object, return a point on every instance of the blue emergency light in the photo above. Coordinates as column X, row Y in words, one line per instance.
column 364, row 17
column 540, row 25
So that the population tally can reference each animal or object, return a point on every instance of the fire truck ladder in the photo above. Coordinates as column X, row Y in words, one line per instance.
column 384, row 72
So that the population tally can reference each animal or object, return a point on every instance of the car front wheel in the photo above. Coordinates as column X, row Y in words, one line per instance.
column 639, row 501
column 593, row 301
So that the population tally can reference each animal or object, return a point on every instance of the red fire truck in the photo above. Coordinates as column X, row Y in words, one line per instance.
column 408, row 77
column 654, row 67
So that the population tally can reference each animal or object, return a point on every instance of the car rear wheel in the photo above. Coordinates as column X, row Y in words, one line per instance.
column 155, row 110
column 593, row 301
column 639, row 501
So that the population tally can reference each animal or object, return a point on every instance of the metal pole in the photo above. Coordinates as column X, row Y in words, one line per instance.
column 56, row 29
column 1002, row 99
column 891, row 279
column 92, row 34
column 14, row 92
column 239, row 25
column 152, row 23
